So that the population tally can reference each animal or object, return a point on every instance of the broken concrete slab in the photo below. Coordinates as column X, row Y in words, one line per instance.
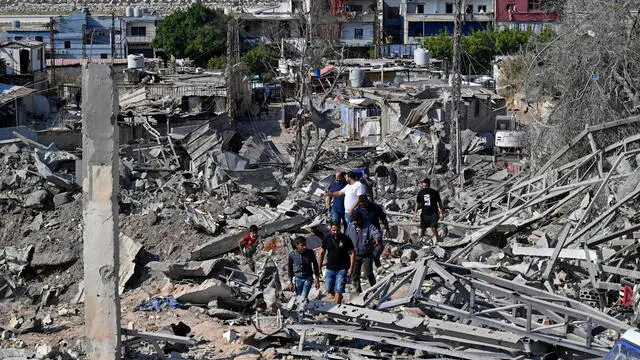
column 129, row 250
column 36, row 199
column 61, row 199
column 228, row 242
column 201, row 220
column 191, row 269
column 578, row 254
column 211, row 289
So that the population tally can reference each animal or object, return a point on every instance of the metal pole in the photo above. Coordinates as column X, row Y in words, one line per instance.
column 457, row 82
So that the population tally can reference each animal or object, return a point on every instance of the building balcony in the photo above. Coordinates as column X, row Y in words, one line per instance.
column 353, row 17
column 355, row 42
column 484, row 17
column 139, row 39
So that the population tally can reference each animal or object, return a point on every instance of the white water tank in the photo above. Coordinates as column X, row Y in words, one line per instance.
column 282, row 66
column 129, row 11
column 421, row 57
column 135, row 61
column 137, row 11
column 356, row 77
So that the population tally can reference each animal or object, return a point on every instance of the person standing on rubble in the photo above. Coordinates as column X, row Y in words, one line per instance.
column 302, row 267
column 429, row 202
column 351, row 191
column 382, row 176
column 365, row 239
column 335, row 204
column 393, row 180
column 374, row 214
column 249, row 245
column 341, row 259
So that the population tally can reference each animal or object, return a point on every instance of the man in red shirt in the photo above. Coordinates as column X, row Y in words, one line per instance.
column 249, row 245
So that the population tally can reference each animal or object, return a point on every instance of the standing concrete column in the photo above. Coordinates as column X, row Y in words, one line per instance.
column 100, row 212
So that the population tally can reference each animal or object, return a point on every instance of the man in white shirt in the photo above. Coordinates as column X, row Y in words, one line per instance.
column 351, row 192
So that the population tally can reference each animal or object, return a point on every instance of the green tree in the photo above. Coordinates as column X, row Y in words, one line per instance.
column 261, row 60
column 440, row 46
column 198, row 33
column 216, row 62
column 478, row 48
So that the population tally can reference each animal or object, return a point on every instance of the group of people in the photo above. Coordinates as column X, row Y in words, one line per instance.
column 352, row 254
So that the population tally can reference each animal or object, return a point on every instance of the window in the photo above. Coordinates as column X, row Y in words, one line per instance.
column 482, row 9
column 354, row 8
column 103, row 56
column 448, row 8
column 534, row 4
column 138, row 31
column 18, row 38
column 469, row 9
column 38, row 38
column 511, row 7
column 67, row 44
column 393, row 13
column 358, row 34
column 420, row 9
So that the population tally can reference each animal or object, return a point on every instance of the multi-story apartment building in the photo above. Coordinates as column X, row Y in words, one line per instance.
column 85, row 36
column 525, row 14
column 429, row 17
column 357, row 21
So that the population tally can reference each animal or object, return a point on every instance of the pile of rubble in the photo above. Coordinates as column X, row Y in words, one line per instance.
column 529, row 264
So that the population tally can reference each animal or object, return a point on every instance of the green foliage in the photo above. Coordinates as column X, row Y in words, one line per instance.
column 261, row 60
column 440, row 46
column 216, row 62
column 197, row 33
column 479, row 48
column 546, row 35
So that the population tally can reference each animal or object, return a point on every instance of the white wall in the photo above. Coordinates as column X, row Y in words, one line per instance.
column 440, row 6
column 11, row 57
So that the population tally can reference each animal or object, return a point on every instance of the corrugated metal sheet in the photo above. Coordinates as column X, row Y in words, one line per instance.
column 160, row 91
column 79, row 62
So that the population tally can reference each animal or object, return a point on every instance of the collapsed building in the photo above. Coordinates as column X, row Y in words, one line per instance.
column 530, row 266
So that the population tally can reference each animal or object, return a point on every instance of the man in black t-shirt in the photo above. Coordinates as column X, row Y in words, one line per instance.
column 382, row 176
column 341, row 259
column 432, row 209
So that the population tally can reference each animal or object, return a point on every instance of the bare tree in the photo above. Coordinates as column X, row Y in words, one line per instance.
column 304, row 42
column 590, row 73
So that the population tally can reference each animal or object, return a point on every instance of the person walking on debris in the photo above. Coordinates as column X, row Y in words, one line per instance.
column 374, row 214
column 365, row 239
column 341, row 259
column 350, row 192
column 302, row 267
column 335, row 204
column 382, row 176
column 368, row 183
column 432, row 209
column 249, row 245
column 393, row 180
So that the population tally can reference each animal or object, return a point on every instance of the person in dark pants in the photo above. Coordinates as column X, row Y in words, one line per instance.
column 429, row 202
column 336, row 203
column 374, row 214
column 302, row 267
column 393, row 180
column 341, row 260
column 365, row 239
column 382, row 177
column 249, row 245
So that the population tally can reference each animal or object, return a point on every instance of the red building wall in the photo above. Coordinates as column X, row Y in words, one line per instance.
column 523, row 11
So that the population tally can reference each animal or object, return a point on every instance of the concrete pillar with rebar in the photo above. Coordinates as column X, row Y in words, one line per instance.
column 100, row 212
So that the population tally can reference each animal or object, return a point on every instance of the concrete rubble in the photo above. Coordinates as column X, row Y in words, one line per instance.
column 529, row 263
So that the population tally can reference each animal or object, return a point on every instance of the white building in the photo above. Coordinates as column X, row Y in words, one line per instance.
column 22, row 57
